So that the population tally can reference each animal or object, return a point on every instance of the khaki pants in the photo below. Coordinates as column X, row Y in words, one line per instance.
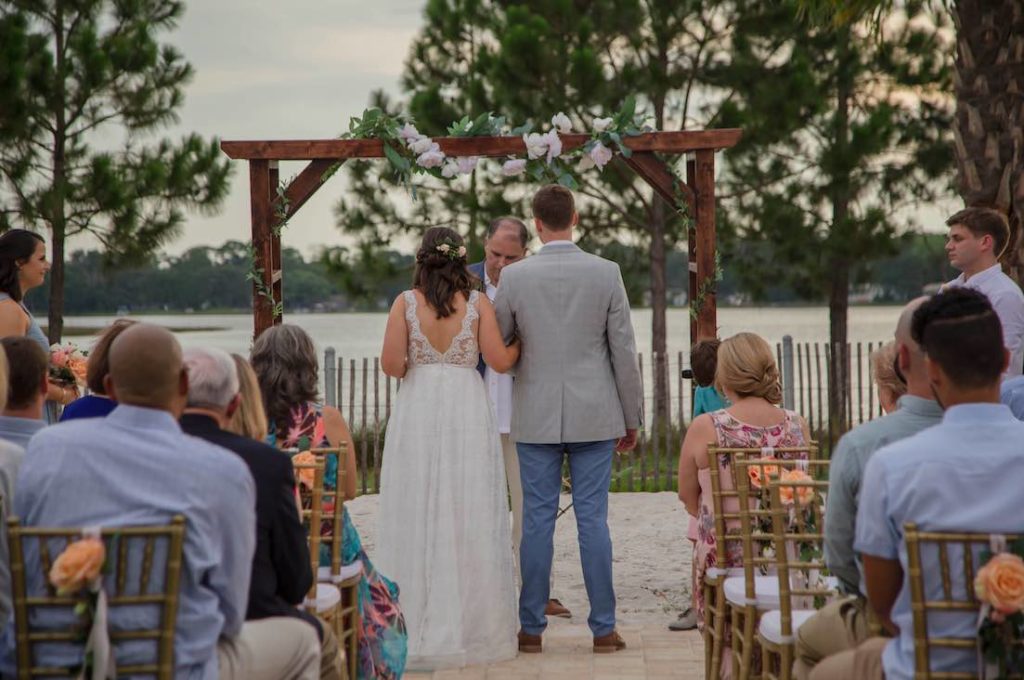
column 837, row 627
column 279, row 648
column 330, row 654
column 515, row 493
column 861, row 663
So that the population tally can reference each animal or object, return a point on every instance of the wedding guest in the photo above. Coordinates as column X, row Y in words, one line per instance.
column 505, row 243
column 890, row 384
column 977, row 239
column 11, row 456
column 286, row 366
column 748, row 377
column 22, row 416
column 249, row 419
column 844, row 624
column 281, row 574
column 97, row 403
column 1011, row 393
column 962, row 475
column 137, row 466
column 23, row 266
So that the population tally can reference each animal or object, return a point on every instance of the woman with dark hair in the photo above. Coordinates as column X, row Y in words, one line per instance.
column 23, row 266
column 97, row 404
column 284, row 360
column 443, row 521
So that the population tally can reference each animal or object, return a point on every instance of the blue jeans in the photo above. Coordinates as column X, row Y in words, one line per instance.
column 590, row 468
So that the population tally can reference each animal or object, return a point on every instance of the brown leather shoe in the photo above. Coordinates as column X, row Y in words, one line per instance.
column 529, row 644
column 556, row 608
column 606, row 644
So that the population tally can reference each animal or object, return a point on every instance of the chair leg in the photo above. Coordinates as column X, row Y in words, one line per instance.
column 718, row 634
column 744, row 621
column 787, row 655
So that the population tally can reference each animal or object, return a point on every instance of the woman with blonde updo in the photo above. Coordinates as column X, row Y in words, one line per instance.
column 891, row 385
column 749, row 378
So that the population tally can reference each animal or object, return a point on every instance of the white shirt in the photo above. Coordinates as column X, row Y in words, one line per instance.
column 1008, row 302
column 499, row 385
column 964, row 474
column 558, row 242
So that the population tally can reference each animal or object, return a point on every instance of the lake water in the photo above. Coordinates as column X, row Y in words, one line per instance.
column 359, row 335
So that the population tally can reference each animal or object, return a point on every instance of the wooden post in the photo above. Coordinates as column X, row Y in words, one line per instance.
column 691, row 247
column 707, row 322
column 276, row 221
column 259, row 199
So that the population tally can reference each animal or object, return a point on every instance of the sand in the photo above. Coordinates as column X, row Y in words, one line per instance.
column 651, row 555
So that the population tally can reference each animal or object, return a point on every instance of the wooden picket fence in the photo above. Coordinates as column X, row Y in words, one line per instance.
column 366, row 396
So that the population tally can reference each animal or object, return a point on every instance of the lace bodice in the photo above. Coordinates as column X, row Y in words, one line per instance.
column 463, row 350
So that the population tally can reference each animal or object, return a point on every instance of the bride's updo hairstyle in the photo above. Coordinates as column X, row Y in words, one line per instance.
column 441, row 270
column 747, row 366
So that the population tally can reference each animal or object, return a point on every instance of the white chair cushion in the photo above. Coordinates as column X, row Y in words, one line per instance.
column 771, row 624
column 323, row 574
column 766, row 587
column 327, row 597
column 715, row 572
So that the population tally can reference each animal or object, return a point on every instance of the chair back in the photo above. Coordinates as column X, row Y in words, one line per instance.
column 129, row 582
column 958, row 555
column 798, row 527
column 333, row 499
column 311, row 516
column 725, row 501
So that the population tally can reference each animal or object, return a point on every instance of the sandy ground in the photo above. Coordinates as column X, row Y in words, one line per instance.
column 651, row 563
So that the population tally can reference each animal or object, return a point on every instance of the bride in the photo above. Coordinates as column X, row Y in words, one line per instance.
column 443, row 531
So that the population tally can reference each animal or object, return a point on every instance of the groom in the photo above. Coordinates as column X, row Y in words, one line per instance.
column 577, row 392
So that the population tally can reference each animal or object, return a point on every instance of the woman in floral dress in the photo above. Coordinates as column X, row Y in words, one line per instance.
column 285, row 362
column 749, row 378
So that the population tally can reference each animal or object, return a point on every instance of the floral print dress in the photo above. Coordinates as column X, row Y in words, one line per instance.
column 382, row 637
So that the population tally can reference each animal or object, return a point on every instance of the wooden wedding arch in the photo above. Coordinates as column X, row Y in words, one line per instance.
column 272, row 207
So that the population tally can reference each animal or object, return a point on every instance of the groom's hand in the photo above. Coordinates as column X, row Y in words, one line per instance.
column 627, row 443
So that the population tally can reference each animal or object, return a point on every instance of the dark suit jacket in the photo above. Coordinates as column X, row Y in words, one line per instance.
column 281, row 571
column 477, row 270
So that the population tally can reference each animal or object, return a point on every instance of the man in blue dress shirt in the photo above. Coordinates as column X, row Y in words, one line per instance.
column 964, row 474
column 136, row 467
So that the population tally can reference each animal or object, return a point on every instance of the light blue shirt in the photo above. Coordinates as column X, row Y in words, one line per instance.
column 19, row 430
column 846, row 472
column 964, row 474
column 136, row 467
column 1011, row 393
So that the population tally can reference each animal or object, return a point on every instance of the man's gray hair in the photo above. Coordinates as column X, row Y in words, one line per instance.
column 515, row 222
column 212, row 377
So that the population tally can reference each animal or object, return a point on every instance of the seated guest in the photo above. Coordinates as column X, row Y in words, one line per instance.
column 285, row 363
column 962, row 475
column 1011, row 393
column 281, row 573
column 27, row 386
column 747, row 376
column 11, row 456
column 890, row 384
column 136, row 465
column 98, row 403
column 843, row 624
column 248, row 420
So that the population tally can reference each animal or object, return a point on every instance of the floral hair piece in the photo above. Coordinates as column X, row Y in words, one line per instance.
column 452, row 251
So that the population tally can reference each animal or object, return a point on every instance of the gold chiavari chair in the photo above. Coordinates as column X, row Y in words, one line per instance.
column 727, row 525
column 798, row 528
column 323, row 599
column 757, row 591
column 345, row 578
column 144, row 570
column 957, row 595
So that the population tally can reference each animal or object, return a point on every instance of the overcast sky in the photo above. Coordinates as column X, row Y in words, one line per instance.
column 284, row 70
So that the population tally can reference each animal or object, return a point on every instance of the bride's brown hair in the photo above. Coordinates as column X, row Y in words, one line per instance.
column 441, row 271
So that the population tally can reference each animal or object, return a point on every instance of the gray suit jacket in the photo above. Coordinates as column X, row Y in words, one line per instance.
column 577, row 379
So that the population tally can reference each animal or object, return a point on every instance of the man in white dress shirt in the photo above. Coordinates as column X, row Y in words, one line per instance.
column 507, row 238
column 977, row 238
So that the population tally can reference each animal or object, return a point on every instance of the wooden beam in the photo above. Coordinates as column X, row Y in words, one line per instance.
column 303, row 187
column 655, row 172
column 691, row 246
column 259, row 200
column 707, row 324
column 340, row 149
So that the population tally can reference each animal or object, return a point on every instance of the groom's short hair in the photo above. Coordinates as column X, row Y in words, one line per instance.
column 554, row 206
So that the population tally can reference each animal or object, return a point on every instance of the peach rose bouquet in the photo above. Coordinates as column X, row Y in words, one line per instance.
column 68, row 364
column 78, row 566
column 764, row 471
column 798, row 495
column 999, row 586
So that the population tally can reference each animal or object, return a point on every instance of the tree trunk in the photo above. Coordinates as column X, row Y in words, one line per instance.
column 659, row 304
column 990, row 113
column 56, row 216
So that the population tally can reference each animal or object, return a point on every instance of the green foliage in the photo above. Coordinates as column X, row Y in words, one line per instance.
column 72, row 73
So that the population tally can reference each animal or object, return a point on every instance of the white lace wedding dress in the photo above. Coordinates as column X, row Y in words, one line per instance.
column 443, row 533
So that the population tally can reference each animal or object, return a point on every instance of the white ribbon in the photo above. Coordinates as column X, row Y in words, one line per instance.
column 988, row 669
column 104, row 665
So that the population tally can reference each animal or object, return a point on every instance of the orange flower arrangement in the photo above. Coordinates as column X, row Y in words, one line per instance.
column 758, row 473
column 800, row 495
column 1001, row 583
column 307, row 476
column 78, row 565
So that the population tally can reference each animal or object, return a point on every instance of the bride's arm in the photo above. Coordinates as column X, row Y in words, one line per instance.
column 492, row 344
column 396, row 341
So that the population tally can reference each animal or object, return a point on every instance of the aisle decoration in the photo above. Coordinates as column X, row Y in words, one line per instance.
column 999, row 587
column 81, row 567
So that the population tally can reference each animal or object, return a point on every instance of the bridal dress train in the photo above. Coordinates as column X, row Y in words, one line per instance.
column 444, row 533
